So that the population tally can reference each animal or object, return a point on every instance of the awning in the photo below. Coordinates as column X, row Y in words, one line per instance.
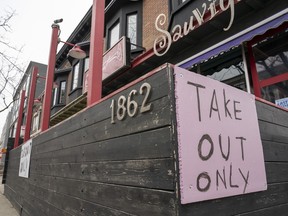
column 237, row 39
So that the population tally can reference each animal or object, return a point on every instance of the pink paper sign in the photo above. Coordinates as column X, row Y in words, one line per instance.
column 219, row 144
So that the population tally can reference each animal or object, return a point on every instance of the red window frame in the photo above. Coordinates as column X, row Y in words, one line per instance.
column 258, row 84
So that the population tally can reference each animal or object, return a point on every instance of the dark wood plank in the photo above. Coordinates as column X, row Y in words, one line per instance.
column 276, row 172
column 272, row 132
column 271, row 114
column 158, row 173
column 274, row 196
column 159, row 117
column 274, row 151
column 132, row 200
column 160, row 88
column 12, row 195
column 280, row 210
column 145, row 145
column 76, row 206
column 150, row 144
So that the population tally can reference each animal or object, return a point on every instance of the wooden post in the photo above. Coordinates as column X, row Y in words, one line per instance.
column 30, row 103
column 46, row 110
column 19, row 121
column 96, row 53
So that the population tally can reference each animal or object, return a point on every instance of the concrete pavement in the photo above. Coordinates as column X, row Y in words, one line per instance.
column 6, row 209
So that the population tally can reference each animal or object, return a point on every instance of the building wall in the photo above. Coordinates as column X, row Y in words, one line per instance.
column 151, row 9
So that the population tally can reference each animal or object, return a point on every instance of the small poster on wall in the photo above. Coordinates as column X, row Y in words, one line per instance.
column 25, row 159
column 219, row 144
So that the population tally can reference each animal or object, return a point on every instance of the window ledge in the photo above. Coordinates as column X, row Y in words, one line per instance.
column 74, row 90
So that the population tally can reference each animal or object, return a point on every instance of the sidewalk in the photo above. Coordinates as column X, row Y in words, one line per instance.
column 6, row 209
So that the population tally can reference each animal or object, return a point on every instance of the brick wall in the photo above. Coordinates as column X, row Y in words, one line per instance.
column 151, row 9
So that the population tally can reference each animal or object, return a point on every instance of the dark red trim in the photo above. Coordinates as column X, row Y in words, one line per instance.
column 20, row 118
column 49, row 79
column 94, row 92
column 30, row 103
column 269, row 33
column 273, row 80
column 271, row 104
column 140, row 59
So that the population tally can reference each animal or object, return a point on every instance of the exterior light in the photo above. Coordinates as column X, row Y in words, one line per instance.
column 76, row 52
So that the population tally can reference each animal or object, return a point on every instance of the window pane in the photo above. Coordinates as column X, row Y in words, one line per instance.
column 271, row 56
column 275, row 92
column 75, row 76
column 132, row 29
column 227, row 67
column 62, row 92
column 114, row 35
column 86, row 64
column 232, row 75
column 55, row 96
column 35, row 122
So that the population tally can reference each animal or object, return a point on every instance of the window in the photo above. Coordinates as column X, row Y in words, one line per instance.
column 114, row 35
column 227, row 67
column 270, row 75
column 62, row 92
column 86, row 64
column 76, row 73
column 54, row 96
column 132, row 29
column 35, row 123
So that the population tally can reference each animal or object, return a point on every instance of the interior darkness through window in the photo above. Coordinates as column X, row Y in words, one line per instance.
column 226, row 67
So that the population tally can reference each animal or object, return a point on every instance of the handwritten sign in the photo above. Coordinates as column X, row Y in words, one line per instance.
column 25, row 159
column 220, row 149
column 282, row 102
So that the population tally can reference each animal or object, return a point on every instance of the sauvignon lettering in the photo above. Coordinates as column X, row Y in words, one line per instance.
column 208, row 11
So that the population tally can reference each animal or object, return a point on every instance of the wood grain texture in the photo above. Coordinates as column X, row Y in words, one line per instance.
column 88, row 166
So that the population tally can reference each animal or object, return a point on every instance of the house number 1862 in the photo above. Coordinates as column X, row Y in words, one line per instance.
column 128, row 106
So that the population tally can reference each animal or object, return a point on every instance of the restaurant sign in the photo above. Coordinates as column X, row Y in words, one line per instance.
column 25, row 159
column 116, row 58
column 199, row 16
column 219, row 144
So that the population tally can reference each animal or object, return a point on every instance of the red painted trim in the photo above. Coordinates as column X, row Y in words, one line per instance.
column 255, row 78
column 19, row 121
column 140, row 59
column 269, row 33
column 94, row 92
column 30, row 104
column 46, row 110
column 273, row 80
column 271, row 104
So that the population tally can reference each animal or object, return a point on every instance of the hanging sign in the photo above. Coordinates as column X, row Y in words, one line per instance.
column 117, row 58
column 25, row 159
column 220, row 149
column 198, row 17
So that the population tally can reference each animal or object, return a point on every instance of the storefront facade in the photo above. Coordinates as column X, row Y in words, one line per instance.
column 126, row 154
column 241, row 43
